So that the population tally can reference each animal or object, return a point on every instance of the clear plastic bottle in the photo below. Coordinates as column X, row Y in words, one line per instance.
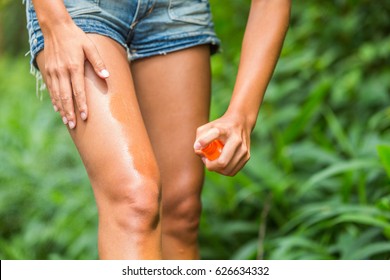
column 213, row 150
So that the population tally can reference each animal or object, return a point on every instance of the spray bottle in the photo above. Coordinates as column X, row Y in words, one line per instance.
column 213, row 150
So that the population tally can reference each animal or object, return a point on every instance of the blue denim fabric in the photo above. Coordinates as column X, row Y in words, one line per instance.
column 144, row 27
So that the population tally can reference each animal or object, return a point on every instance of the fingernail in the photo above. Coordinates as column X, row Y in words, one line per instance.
column 204, row 160
column 71, row 125
column 55, row 108
column 104, row 73
column 83, row 116
column 64, row 120
column 197, row 146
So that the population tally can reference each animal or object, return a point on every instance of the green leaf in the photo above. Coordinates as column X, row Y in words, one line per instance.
column 384, row 154
column 247, row 251
column 370, row 250
column 339, row 168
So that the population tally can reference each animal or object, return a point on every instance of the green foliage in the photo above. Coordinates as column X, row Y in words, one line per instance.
column 13, row 32
column 46, row 204
column 384, row 153
column 317, row 185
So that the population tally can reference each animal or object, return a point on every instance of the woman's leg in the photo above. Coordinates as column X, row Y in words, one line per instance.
column 174, row 96
column 118, row 157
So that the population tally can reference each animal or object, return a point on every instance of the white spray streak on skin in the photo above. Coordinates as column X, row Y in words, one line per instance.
column 117, row 130
column 120, row 130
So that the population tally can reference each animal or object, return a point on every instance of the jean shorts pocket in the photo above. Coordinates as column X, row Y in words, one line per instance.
column 194, row 11
column 76, row 8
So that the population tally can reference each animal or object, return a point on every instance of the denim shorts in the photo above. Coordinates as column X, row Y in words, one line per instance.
column 144, row 27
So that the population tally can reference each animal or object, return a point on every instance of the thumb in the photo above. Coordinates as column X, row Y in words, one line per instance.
column 93, row 56
column 206, row 138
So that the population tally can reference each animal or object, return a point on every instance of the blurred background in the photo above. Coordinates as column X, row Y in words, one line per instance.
column 317, row 185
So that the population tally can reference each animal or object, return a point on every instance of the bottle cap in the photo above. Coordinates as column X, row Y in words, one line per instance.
column 213, row 150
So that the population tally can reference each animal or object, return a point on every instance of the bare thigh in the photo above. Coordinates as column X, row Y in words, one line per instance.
column 174, row 97
column 114, row 130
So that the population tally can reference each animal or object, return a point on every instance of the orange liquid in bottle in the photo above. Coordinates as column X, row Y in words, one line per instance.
column 213, row 150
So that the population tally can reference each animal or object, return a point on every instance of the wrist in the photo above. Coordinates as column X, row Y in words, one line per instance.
column 51, row 14
column 243, row 117
column 50, row 25
column 246, row 101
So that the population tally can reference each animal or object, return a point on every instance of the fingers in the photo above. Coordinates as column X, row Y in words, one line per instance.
column 53, row 86
column 54, row 98
column 235, row 152
column 206, row 138
column 78, row 87
column 68, row 116
column 234, row 156
column 94, row 58
column 60, row 89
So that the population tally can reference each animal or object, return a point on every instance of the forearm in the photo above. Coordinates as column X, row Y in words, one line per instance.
column 51, row 14
column 264, row 35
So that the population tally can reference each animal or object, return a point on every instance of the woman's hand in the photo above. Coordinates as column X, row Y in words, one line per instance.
column 66, row 49
column 234, row 132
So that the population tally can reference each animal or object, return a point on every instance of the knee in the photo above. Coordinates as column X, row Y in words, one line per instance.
column 131, row 199
column 182, row 208
column 138, row 203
